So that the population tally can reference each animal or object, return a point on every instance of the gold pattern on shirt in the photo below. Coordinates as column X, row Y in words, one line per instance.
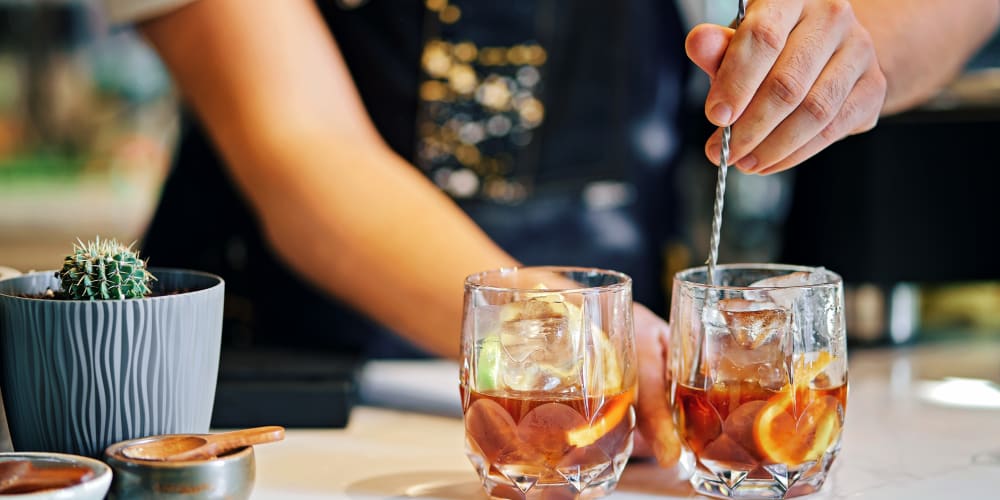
column 480, row 107
column 448, row 14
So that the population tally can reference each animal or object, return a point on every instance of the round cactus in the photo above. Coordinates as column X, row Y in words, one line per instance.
column 104, row 270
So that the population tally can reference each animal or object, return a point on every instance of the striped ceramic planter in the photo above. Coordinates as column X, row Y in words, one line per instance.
column 77, row 375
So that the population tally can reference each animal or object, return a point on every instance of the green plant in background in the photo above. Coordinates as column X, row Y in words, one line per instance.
column 104, row 270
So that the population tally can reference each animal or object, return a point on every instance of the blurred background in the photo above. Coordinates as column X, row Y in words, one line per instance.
column 88, row 119
column 906, row 213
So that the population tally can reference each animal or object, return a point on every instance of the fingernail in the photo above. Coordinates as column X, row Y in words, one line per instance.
column 720, row 114
column 713, row 152
column 667, row 437
column 666, row 448
column 748, row 162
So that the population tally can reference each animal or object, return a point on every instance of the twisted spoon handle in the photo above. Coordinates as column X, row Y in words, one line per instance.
column 720, row 185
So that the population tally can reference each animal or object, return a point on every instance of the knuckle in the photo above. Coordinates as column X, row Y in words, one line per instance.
column 862, row 45
column 736, row 88
column 786, row 88
column 819, row 106
column 766, row 36
column 864, row 39
column 850, row 71
column 839, row 9
column 834, row 131
column 873, row 88
column 743, row 142
column 880, row 83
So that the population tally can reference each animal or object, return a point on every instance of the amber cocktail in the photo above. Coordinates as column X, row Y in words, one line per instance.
column 548, row 381
column 758, row 371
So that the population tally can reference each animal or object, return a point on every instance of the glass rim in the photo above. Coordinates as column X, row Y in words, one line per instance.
column 475, row 281
column 832, row 278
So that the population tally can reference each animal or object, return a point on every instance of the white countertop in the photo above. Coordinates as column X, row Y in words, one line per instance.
column 899, row 442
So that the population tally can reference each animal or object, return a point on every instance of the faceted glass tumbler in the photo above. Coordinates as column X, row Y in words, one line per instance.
column 758, row 377
column 548, row 380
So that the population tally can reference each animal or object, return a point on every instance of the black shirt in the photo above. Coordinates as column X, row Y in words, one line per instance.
column 552, row 123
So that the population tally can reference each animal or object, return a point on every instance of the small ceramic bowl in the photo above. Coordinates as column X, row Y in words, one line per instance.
column 93, row 488
column 230, row 476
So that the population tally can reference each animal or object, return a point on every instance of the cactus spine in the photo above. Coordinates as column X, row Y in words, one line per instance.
column 104, row 270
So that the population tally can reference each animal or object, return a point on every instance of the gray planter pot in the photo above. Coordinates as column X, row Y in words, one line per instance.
column 77, row 376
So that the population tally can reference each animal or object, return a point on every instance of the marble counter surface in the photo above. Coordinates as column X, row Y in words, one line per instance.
column 922, row 423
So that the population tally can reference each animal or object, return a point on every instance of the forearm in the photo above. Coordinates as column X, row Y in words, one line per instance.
column 362, row 225
column 335, row 202
column 923, row 44
column 366, row 227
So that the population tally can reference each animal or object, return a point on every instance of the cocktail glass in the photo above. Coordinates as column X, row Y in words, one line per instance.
column 548, row 380
column 758, row 377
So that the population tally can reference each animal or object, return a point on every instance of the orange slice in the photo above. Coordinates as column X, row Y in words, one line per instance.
column 794, row 430
column 803, row 373
column 783, row 439
column 613, row 414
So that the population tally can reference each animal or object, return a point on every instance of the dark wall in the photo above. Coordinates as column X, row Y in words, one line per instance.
column 917, row 199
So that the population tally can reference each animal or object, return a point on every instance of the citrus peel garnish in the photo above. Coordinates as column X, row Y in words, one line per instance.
column 603, row 424
column 804, row 373
column 788, row 434
column 488, row 364
column 783, row 439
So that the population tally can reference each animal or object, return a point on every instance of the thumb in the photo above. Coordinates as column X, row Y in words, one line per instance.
column 656, row 422
column 706, row 44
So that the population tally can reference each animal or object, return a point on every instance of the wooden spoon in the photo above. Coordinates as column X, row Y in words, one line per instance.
column 21, row 476
column 196, row 447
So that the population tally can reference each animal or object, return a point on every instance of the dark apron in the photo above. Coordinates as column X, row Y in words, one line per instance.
column 567, row 163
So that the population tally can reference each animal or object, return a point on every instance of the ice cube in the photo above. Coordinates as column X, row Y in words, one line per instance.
column 786, row 288
column 486, row 321
column 765, row 366
column 747, row 342
column 798, row 278
column 539, row 346
column 753, row 323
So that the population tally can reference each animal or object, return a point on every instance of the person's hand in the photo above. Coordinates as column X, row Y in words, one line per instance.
column 794, row 77
column 656, row 424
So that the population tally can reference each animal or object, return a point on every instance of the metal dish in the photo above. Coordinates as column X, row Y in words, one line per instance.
column 230, row 476
column 92, row 488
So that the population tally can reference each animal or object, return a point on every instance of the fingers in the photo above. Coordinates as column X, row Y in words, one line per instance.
column 755, row 48
column 706, row 44
column 814, row 40
column 820, row 106
column 858, row 114
column 797, row 75
column 656, row 422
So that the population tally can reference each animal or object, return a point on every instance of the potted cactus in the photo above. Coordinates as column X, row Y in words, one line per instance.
column 105, row 350
column 104, row 270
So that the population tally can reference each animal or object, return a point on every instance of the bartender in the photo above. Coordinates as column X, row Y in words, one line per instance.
column 346, row 163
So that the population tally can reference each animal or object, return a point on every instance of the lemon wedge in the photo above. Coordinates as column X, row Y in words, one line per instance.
column 488, row 364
